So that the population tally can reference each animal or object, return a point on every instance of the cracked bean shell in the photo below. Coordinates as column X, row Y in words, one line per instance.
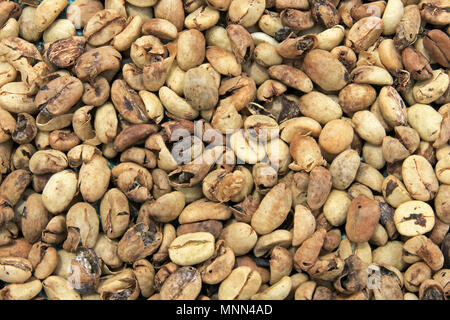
column 103, row 26
column 15, row 269
column 394, row 191
column 97, row 61
column 392, row 107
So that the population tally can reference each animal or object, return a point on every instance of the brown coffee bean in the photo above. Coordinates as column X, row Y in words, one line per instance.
column 362, row 219
column 59, row 95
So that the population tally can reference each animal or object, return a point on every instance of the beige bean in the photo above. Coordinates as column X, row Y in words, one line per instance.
column 241, row 284
column 101, row 28
column 171, row 10
column 177, row 105
column 371, row 75
column 394, row 191
column 336, row 136
column 245, row 12
column 413, row 218
column 429, row 129
column 192, row 248
column 15, row 269
column 266, row 55
column 202, row 19
column 392, row 107
column 191, row 49
column 57, row 287
column 223, row 61
column 14, row 97
column 305, row 160
column 160, row 28
column 277, row 200
column 203, row 209
column 331, row 38
column 114, row 213
column 27, row 29
column 57, row 198
column 325, row 70
column 304, row 225
column 344, row 168
column 59, row 29
column 368, row 127
column 356, row 97
column 184, row 284
column 94, row 178
column 278, row 291
column 427, row 91
column 267, row 242
column 240, row 237
column 217, row 36
column 364, row 33
column 319, row 107
column 166, row 208
column 21, row 291
column 370, row 177
column 419, row 178
column 46, row 12
column 129, row 34
column 442, row 170
column 392, row 16
column 123, row 286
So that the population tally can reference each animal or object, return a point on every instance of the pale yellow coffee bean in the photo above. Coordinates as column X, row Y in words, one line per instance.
column 443, row 170
column 430, row 90
column 240, row 237
column 47, row 12
column 15, row 269
column 394, row 191
column 413, row 218
column 391, row 17
column 278, row 291
column 241, row 284
column 192, row 248
column 59, row 191
column 419, row 178
column 60, row 29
